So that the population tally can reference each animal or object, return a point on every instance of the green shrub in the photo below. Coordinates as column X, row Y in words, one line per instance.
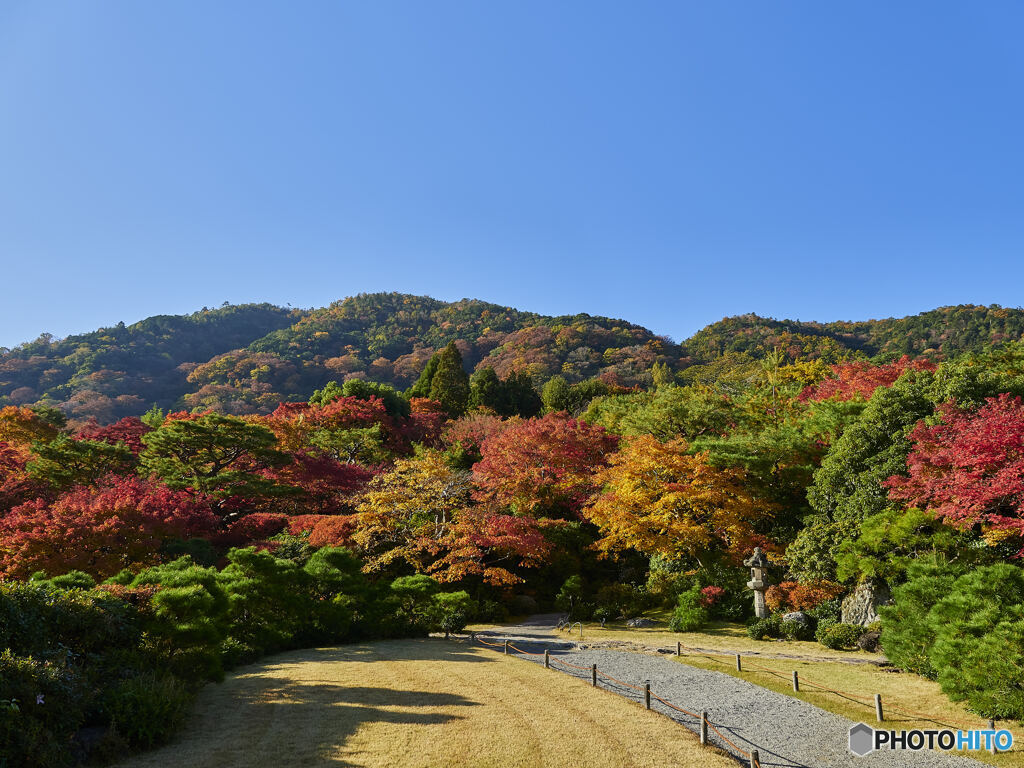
column 36, row 731
column 269, row 603
column 758, row 629
column 147, row 709
column 664, row 587
column 620, row 600
column 39, row 620
column 978, row 653
column 190, row 617
column 909, row 637
column 824, row 625
column 523, row 605
column 492, row 610
column 69, row 580
column 840, row 636
column 451, row 611
column 605, row 613
column 795, row 630
column 830, row 610
column 689, row 615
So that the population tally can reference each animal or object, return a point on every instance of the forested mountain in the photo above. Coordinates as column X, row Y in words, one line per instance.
column 239, row 359
column 946, row 331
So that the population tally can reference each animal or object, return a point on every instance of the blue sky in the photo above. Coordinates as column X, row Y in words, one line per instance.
column 670, row 163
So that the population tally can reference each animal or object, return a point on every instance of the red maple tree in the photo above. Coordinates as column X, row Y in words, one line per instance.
column 543, row 467
column 861, row 378
column 119, row 523
column 969, row 469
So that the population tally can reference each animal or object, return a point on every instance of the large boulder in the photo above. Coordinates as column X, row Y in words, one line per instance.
column 639, row 623
column 799, row 617
column 861, row 607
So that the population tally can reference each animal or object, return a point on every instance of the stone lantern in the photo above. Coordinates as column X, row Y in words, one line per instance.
column 758, row 565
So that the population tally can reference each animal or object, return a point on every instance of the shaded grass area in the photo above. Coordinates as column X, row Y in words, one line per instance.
column 717, row 635
column 419, row 703
column 912, row 694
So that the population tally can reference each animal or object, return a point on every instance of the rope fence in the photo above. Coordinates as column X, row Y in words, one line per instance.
column 753, row 755
column 798, row 680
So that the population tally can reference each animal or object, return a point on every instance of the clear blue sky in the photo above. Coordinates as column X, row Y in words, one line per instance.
column 670, row 163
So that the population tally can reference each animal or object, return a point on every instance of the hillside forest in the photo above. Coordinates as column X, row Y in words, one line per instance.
column 184, row 495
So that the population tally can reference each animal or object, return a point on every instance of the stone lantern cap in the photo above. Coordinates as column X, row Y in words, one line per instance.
column 756, row 560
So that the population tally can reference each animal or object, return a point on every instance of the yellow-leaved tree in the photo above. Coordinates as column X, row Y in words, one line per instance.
column 659, row 499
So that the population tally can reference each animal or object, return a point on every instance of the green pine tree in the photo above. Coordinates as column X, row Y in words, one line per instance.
column 450, row 384
column 487, row 391
column 422, row 386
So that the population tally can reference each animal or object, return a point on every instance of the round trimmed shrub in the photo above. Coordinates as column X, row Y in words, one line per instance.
column 841, row 637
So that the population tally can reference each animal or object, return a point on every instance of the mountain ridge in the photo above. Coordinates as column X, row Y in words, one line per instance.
column 247, row 358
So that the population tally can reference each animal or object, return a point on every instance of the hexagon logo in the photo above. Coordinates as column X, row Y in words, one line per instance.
column 862, row 739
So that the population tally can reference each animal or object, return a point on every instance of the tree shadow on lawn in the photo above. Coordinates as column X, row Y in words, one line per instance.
column 287, row 711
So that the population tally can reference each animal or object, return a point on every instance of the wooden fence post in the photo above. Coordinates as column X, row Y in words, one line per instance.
column 593, row 674
column 796, row 682
column 647, row 694
column 739, row 664
column 679, row 648
column 992, row 745
column 755, row 759
column 703, row 727
column 506, row 647
column 878, row 707
column 547, row 659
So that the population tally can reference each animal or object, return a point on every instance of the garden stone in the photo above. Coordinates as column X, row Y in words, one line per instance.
column 869, row 641
column 799, row 617
column 640, row 623
column 861, row 607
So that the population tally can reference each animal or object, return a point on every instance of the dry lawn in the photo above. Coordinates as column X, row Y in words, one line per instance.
column 717, row 635
column 899, row 690
column 417, row 704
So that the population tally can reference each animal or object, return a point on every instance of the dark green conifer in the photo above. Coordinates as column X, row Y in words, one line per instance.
column 450, row 384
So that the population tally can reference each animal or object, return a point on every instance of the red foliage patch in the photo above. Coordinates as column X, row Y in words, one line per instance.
column 793, row 596
column 128, row 430
column 334, row 531
column 861, row 379
column 969, row 469
column 99, row 530
column 711, row 595
column 543, row 466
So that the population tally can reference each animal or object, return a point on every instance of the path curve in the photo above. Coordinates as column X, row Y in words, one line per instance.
column 788, row 732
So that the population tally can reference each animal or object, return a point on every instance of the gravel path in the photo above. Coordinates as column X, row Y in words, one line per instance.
column 788, row 733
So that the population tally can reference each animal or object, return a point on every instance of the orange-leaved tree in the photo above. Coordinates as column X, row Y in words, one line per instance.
column 661, row 500
column 542, row 467
column 420, row 512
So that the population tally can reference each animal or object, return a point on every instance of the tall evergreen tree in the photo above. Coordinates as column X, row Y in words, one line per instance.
column 521, row 396
column 486, row 390
column 450, row 384
column 422, row 386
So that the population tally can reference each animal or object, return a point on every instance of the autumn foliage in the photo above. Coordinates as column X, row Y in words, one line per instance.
column 969, row 469
column 662, row 500
column 862, row 378
column 118, row 524
column 543, row 467
column 793, row 596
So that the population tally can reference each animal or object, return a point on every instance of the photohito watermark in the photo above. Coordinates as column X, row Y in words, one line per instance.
column 864, row 739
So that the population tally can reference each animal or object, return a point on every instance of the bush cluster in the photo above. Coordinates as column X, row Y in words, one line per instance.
column 127, row 656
